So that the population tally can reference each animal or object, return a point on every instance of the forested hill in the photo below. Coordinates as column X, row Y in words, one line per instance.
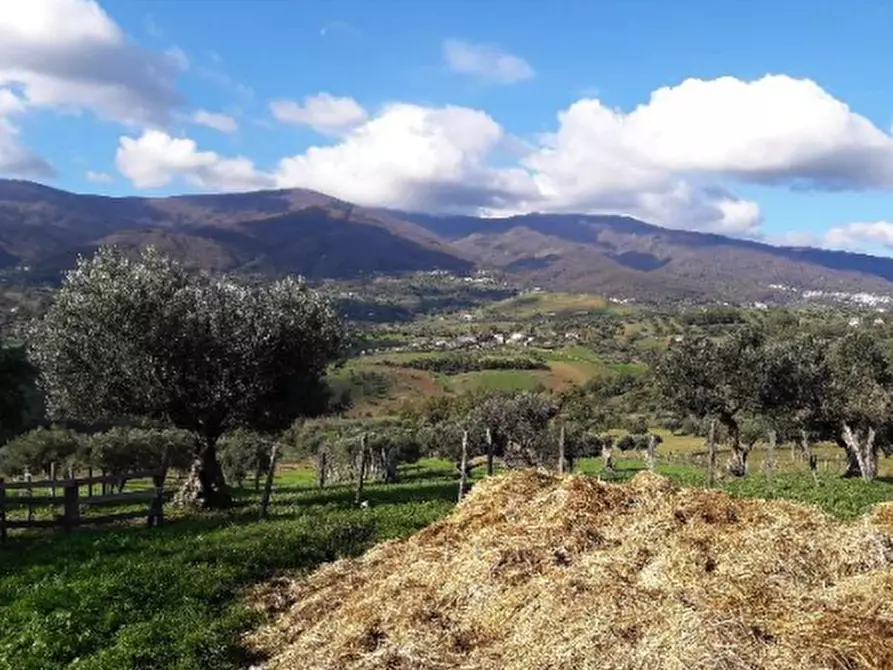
column 299, row 231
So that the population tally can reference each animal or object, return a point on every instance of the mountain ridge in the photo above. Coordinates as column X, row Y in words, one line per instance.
column 319, row 236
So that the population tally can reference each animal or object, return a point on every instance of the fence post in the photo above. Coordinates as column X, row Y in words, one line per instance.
column 489, row 452
column 562, row 462
column 90, row 482
column 809, row 456
column 71, row 511
column 359, row 492
column 156, row 508
column 2, row 511
column 711, row 454
column 770, row 454
column 463, row 466
column 53, row 479
column 321, row 469
column 650, row 454
column 29, row 492
column 268, row 485
column 608, row 457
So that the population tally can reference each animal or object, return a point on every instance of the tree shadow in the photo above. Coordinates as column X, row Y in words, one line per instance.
column 31, row 549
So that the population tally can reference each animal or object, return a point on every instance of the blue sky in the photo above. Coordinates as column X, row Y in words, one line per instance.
column 759, row 119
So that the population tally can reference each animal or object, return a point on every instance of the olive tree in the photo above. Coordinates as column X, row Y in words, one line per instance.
column 518, row 425
column 722, row 380
column 142, row 337
column 859, row 398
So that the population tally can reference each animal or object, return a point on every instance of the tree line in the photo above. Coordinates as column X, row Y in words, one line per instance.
column 138, row 343
column 798, row 386
column 461, row 362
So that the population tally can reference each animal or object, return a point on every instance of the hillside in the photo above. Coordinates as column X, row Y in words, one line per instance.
column 289, row 231
column 623, row 256
column 299, row 231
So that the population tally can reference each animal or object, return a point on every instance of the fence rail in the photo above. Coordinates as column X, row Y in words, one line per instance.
column 71, row 500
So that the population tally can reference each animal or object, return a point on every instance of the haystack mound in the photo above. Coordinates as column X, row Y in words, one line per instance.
column 536, row 571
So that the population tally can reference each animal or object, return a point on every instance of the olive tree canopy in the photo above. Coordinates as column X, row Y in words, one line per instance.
column 143, row 337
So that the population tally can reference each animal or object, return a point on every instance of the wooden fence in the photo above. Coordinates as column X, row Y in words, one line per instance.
column 18, row 495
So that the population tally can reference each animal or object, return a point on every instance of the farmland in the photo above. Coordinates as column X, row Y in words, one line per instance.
column 173, row 597
column 408, row 393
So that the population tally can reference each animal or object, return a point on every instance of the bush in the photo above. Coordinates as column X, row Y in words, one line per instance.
column 36, row 451
column 454, row 364
column 116, row 451
column 244, row 452
column 637, row 425
column 637, row 442
column 122, row 450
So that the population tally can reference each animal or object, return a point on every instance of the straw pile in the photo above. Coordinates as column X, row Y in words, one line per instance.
column 536, row 571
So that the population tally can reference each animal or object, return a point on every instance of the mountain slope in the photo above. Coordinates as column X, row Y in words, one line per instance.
column 288, row 231
column 299, row 231
column 626, row 256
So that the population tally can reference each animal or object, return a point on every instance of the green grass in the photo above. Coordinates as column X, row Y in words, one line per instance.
column 842, row 498
column 494, row 380
column 134, row 597
column 171, row 597
column 535, row 304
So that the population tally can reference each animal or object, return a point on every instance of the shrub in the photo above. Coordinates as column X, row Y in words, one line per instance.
column 244, row 452
column 36, row 451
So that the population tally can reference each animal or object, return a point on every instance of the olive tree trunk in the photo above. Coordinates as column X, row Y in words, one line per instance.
column 864, row 449
column 738, row 460
column 463, row 466
column 810, row 457
column 204, row 486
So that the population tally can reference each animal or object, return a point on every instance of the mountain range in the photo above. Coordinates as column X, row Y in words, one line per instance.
column 309, row 233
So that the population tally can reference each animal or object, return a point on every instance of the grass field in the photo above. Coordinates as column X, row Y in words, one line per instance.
column 534, row 304
column 133, row 597
column 568, row 366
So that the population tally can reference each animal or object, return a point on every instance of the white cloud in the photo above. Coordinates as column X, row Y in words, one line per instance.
column 156, row 159
column 772, row 130
column 10, row 103
column 70, row 54
column 860, row 234
column 99, row 177
column 663, row 161
column 485, row 62
column 326, row 114
column 16, row 160
column 412, row 157
column 221, row 122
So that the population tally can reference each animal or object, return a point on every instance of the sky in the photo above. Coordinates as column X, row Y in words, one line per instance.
column 759, row 119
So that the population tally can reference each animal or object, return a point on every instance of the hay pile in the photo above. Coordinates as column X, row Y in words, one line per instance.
column 535, row 571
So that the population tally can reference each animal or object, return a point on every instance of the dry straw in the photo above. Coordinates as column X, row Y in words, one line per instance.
column 535, row 571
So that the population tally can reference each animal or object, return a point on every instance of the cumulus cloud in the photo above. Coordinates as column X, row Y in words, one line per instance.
column 326, row 114
column 70, row 54
column 861, row 234
column 662, row 161
column 411, row 156
column 155, row 159
column 221, row 122
column 485, row 62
